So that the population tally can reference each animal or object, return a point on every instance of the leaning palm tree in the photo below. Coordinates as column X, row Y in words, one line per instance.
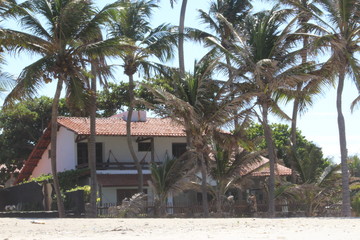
column 340, row 34
column 64, row 41
column 131, row 24
column 201, row 105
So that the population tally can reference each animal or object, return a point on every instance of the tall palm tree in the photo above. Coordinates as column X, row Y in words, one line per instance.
column 64, row 41
column 340, row 33
column 99, row 70
column 131, row 24
column 181, row 36
column 234, row 11
column 266, row 64
column 304, row 92
column 201, row 105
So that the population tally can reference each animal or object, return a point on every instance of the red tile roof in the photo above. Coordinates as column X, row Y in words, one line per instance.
column 34, row 157
column 117, row 127
column 262, row 169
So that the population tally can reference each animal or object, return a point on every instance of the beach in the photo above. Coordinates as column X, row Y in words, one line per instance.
column 172, row 228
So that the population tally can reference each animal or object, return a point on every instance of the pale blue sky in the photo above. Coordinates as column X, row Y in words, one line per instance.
column 319, row 124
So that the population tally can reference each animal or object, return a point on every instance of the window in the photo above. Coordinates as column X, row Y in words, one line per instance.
column 82, row 153
column 144, row 146
column 178, row 149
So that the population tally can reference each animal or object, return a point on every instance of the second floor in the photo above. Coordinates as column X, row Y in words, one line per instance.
column 112, row 152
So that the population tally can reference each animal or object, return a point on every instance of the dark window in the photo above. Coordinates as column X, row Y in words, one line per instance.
column 82, row 153
column 144, row 146
column 178, row 149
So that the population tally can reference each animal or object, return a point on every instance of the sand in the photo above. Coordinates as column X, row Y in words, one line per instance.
column 184, row 229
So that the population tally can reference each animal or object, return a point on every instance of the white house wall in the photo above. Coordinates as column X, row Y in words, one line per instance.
column 67, row 151
column 120, row 152
column 44, row 165
column 66, row 154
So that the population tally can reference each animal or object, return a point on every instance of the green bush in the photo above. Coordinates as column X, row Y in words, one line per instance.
column 86, row 189
column 67, row 179
column 355, row 204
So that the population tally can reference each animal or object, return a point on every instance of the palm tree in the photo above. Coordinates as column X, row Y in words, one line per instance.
column 171, row 177
column 228, row 161
column 266, row 65
column 64, row 41
column 234, row 11
column 316, row 194
column 201, row 105
column 304, row 92
column 340, row 34
column 131, row 23
column 181, row 36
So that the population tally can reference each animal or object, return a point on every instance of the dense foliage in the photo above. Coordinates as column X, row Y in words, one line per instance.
column 260, row 57
column 310, row 160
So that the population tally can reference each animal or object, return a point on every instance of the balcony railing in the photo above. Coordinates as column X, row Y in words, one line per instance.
column 117, row 165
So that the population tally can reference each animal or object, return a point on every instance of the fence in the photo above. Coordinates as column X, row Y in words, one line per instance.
column 28, row 200
column 25, row 197
column 235, row 210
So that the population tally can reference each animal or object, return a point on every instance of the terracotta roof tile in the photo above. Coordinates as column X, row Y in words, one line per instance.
column 117, row 127
column 262, row 169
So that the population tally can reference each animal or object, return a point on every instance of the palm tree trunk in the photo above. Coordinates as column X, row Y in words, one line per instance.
column 204, row 185
column 293, row 160
column 293, row 139
column 272, row 160
column 218, row 194
column 181, row 39
column 92, row 148
column 346, row 210
column 54, row 128
column 128, row 134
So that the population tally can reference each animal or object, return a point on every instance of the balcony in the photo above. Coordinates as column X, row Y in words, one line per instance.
column 117, row 165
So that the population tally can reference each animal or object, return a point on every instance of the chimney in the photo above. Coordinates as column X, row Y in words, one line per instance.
column 137, row 116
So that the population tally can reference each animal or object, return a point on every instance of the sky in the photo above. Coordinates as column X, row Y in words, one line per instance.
column 318, row 124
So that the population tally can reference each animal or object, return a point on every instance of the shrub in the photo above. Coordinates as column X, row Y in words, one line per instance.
column 355, row 204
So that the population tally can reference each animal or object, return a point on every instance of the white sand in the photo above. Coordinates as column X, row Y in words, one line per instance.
column 184, row 229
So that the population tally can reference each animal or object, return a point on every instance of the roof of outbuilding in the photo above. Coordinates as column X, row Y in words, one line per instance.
column 114, row 126
column 262, row 169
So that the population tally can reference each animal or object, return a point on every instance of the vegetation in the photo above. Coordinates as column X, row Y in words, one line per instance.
column 310, row 162
column 131, row 24
column 170, row 178
column 255, row 61
column 68, row 179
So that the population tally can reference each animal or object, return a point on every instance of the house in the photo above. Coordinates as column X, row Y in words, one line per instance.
column 153, row 139
column 258, row 173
